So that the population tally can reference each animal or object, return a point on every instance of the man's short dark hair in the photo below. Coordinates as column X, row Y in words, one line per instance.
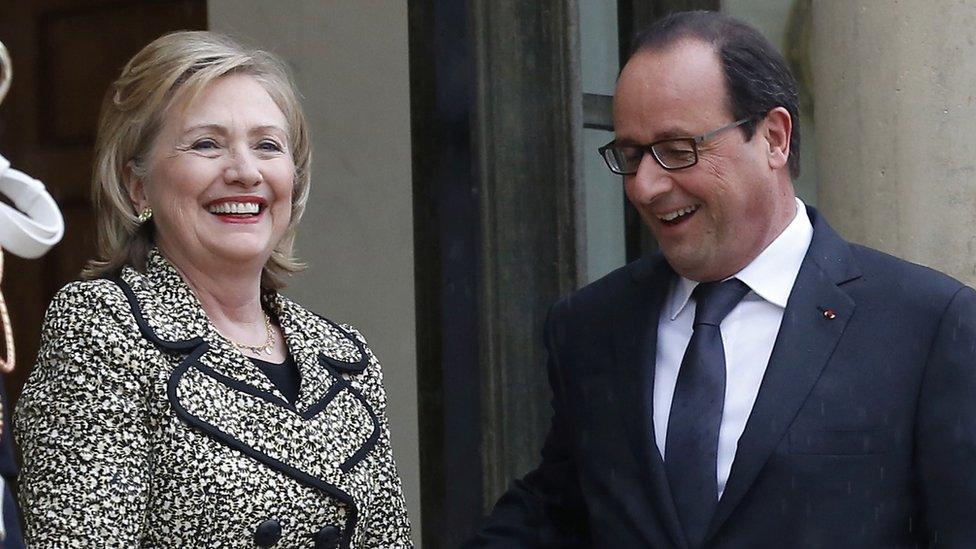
column 757, row 76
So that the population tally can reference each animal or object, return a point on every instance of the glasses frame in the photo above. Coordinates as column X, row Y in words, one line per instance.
column 650, row 147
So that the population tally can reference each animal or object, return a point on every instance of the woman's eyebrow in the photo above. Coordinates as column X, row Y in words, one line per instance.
column 206, row 126
column 268, row 128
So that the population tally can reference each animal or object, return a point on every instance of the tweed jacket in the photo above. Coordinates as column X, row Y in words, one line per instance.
column 141, row 426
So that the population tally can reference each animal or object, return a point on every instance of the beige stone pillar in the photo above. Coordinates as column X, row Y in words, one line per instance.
column 894, row 88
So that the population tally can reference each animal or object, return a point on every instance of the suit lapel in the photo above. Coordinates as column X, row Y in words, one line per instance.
column 814, row 320
column 635, row 334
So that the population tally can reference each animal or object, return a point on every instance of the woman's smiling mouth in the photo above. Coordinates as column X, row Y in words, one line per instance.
column 237, row 209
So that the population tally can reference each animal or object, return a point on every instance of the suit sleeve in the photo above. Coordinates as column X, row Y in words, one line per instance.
column 945, row 449
column 82, row 426
column 387, row 524
column 545, row 508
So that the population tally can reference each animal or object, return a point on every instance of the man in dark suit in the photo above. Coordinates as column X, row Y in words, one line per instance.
column 761, row 382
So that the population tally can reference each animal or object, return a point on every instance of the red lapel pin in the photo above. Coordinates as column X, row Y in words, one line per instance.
column 829, row 314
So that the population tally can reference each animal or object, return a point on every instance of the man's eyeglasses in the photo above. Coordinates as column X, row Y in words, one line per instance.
column 671, row 154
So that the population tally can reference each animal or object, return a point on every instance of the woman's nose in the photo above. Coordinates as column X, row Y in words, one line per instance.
column 243, row 169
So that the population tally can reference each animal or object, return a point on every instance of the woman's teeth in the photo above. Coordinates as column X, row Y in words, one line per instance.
column 234, row 208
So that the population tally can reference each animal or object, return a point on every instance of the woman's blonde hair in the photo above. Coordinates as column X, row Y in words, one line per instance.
column 181, row 64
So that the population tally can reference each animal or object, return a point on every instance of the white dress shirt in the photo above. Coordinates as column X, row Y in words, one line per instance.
column 748, row 335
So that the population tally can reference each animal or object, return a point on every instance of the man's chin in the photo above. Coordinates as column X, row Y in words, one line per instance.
column 683, row 264
column 691, row 265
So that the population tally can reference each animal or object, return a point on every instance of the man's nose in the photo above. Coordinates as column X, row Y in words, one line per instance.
column 243, row 169
column 650, row 181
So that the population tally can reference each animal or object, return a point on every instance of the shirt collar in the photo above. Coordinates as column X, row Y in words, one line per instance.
column 771, row 274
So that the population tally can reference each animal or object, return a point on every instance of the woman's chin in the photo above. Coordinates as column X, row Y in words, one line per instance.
column 237, row 255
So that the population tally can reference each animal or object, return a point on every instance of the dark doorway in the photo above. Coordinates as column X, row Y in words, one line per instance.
column 65, row 54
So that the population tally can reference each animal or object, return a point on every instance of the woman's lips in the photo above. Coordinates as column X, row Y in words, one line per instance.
column 238, row 209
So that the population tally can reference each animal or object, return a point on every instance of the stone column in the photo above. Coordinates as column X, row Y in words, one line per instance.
column 894, row 87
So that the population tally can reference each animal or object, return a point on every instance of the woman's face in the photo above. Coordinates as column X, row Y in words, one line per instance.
column 219, row 178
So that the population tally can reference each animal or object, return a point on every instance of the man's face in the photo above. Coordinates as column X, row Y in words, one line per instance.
column 715, row 217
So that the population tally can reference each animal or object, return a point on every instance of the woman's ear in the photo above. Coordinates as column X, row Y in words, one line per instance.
column 778, row 129
column 136, row 187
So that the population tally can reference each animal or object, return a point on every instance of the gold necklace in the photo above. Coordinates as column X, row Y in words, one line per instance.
column 268, row 345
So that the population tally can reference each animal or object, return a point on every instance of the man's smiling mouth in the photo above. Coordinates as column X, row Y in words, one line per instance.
column 677, row 216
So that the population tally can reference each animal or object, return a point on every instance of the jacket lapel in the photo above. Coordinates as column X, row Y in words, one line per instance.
column 635, row 333
column 816, row 314
column 220, row 392
column 324, row 352
column 224, row 362
column 172, row 313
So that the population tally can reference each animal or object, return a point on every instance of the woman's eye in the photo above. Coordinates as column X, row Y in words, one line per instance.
column 269, row 145
column 204, row 145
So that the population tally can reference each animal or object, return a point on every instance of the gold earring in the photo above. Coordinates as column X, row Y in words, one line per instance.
column 145, row 215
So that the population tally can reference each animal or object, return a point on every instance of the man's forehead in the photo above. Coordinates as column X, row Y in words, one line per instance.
column 680, row 69
column 669, row 88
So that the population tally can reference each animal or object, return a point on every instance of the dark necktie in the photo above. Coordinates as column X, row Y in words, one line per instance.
column 691, row 449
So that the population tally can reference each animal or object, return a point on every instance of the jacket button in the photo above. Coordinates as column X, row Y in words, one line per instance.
column 267, row 533
column 327, row 538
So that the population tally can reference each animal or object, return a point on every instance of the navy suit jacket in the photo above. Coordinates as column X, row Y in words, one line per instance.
column 8, row 470
column 863, row 433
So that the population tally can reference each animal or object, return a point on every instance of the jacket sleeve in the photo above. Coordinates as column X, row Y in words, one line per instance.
column 945, row 431
column 386, row 524
column 546, row 507
column 82, row 425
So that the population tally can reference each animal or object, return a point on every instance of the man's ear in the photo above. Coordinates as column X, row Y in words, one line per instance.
column 136, row 187
column 777, row 130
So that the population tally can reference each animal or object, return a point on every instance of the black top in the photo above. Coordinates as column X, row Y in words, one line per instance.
column 284, row 376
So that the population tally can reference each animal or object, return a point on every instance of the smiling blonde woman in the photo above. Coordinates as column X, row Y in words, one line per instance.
column 178, row 399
